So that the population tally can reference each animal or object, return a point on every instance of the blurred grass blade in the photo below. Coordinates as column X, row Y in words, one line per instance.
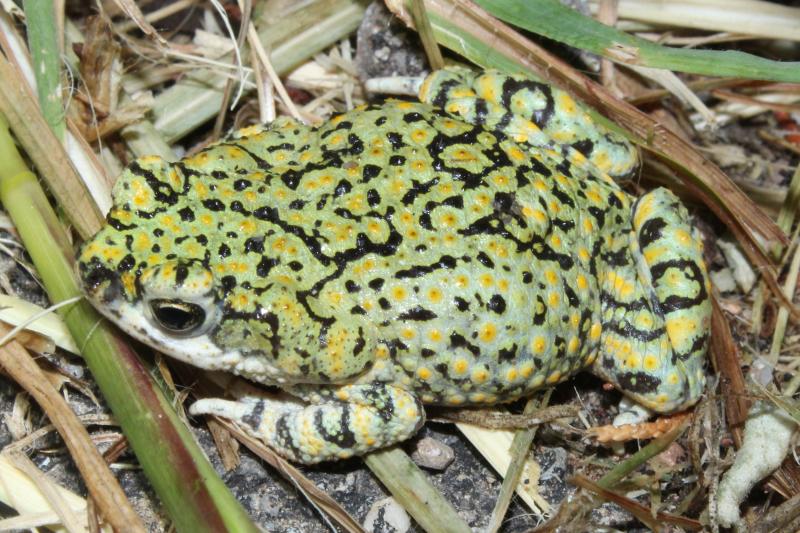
column 759, row 18
column 186, row 483
column 412, row 489
column 292, row 38
column 44, row 149
column 46, row 57
column 556, row 21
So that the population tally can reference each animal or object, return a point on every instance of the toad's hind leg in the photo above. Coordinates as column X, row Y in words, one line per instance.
column 330, row 422
column 656, row 309
column 537, row 116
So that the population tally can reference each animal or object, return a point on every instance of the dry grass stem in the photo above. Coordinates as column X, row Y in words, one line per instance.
column 103, row 486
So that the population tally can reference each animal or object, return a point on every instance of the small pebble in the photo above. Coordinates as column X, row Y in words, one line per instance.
column 433, row 454
column 387, row 516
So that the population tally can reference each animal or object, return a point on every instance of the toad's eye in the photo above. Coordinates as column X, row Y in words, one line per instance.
column 177, row 316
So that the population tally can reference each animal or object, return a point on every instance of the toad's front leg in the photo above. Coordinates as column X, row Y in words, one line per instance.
column 330, row 422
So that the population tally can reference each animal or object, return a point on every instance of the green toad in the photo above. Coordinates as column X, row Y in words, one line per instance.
column 465, row 250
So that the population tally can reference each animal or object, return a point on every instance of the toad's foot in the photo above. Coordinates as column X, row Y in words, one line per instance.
column 349, row 420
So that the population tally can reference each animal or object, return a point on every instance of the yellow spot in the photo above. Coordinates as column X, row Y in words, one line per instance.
column 419, row 166
column 455, row 399
column 435, row 294
column 566, row 103
column 477, row 397
column 580, row 280
column 399, row 293
column 526, row 369
column 626, row 290
column 501, row 180
column 551, row 277
column 538, row 344
column 460, row 366
column 650, row 362
column 488, row 332
column 486, row 280
column 419, row 135
column 381, row 351
column 435, row 335
column 553, row 299
column 681, row 330
column 355, row 203
column 234, row 152
column 515, row 153
column 573, row 345
column 627, row 347
column 555, row 241
column 554, row 377
column 482, row 199
column 583, row 254
column 601, row 159
column 408, row 333
column 335, row 298
column 595, row 331
column 502, row 284
column 588, row 225
column 673, row 378
column 594, row 196
column 199, row 160
column 247, row 226
column 480, row 375
column 448, row 219
column 511, row 374
column 633, row 362
column 249, row 130
column 142, row 241
column 644, row 211
column 683, row 237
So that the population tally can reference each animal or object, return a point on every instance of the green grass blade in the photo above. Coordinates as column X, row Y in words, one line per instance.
column 46, row 56
column 556, row 21
column 412, row 489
